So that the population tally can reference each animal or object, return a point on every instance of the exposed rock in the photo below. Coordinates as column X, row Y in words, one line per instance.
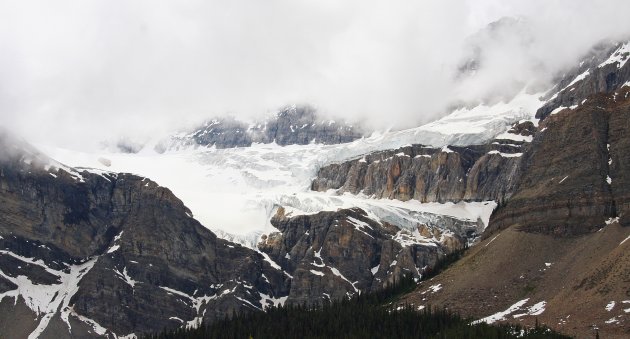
column 301, row 126
column 557, row 245
column 295, row 125
column 593, row 75
column 525, row 128
column 332, row 254
column 124, row 255
column 473, row 173
column 147, row 264
column 224, row 133
column 575, row 175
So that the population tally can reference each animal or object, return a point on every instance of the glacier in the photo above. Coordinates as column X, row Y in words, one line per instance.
column 235, row 191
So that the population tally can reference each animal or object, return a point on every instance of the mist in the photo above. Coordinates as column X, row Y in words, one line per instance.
column 76, row 73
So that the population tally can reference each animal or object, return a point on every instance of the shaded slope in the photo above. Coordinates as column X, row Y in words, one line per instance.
column 97, row 253
column 557, row 250
column 575, row 277
column 575, row 176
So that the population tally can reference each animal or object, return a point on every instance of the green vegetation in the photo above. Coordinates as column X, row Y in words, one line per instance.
column 368, row 315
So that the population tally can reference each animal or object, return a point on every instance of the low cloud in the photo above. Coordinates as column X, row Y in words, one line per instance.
column 75, row 73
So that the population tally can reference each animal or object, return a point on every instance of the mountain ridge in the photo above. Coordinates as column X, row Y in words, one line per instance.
column 88, row 252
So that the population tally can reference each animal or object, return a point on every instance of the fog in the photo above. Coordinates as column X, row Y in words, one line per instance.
column 74, row 73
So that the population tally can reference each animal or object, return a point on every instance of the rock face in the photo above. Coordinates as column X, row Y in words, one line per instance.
column 94, row 253
column 604, row 70
column 575, row 175
column 87, row 253
column 334, row 254
column 295, row 125
column 474, row 173
column 556, row 250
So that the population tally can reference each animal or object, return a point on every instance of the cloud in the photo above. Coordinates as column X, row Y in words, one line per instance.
column 76, row 73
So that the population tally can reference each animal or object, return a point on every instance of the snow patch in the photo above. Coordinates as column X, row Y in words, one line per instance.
column 48, row 300
column 248, row 303
column 337, row 273
column 502, row 315
column 195, row 323
column 536, row 309
column 489, row 242
column 514, row 137
column 96, row 327
column 125, row 277
column 612, row 220
column 577, row 78
column 269, row 301
column 113, row 249
column 468, row 126
column 506, row 155
column 359, row 225
column 612, row 320
column 435, row 288
column 620, row 56
column 273, row 263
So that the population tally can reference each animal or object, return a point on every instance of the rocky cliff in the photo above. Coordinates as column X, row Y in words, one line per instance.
column 334, row 254
column 294, row 125
column 89, row 254
column 556, row 250
column 603, row 70
column 575, row 174
column 473, row 173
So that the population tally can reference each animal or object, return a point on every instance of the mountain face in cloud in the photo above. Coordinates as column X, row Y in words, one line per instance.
column 77, row 73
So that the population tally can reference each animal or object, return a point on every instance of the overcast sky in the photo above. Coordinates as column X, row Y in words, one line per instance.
column 77, row 72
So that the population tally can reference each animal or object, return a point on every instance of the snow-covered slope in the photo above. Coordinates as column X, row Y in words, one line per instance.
column 235, row 191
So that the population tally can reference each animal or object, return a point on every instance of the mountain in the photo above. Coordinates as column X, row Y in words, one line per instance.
column 293, row 125
column 603, row 70
column 299, row 210
column 89, row 253
column 556, row 250
column 428, row 174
